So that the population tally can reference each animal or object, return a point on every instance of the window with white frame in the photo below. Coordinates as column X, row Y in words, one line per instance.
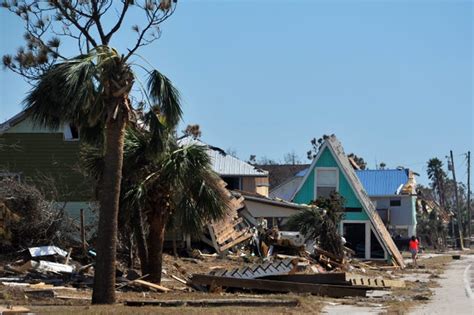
column 327, row 181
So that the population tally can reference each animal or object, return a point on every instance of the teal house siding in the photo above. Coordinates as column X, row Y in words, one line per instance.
column 361, row 219
column 306, row 193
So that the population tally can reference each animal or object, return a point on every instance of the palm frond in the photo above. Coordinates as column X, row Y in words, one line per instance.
column 166, row 97
column 65, row 93
column 92, row 160
column 308, row 222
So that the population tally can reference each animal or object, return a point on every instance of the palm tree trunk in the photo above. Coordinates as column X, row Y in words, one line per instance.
column 156, row 238
column 104, row 278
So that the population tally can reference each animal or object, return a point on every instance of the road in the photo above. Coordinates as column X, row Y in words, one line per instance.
column 455, row 294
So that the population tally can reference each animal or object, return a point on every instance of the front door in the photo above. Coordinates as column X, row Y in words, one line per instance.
column 354, row 233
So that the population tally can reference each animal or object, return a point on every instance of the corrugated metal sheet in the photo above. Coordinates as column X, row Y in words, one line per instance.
column 382, row 182
column 223, row 163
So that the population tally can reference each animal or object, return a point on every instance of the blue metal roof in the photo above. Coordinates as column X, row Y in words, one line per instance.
column 377, row 182
column 382, row 182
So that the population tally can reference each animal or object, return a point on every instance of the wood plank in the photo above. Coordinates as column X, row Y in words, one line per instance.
column 356, row 279
column 216, row 302
column 280, row 286
column 230, row 237
column 213, row 237
column 231, row 225
column 227, row 234
column 328, row 254
column 237, row 241
column 150, row 285
column 179, row 279
column 319, row 278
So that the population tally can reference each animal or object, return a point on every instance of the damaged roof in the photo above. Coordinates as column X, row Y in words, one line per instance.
column 225, row 164
column 273, row 201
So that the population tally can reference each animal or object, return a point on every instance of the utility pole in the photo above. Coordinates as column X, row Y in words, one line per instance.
column 461, row 243
column 469, row 213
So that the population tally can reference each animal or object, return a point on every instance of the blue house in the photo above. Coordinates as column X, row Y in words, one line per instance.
column 393, row 194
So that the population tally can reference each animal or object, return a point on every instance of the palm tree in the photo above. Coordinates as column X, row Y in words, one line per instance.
column 438, row 179
column 92, row 91
column 178, row 184
column 162, row 183
column 320, row 223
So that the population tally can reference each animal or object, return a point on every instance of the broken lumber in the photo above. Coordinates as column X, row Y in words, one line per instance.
column 276, row 267
column 216, row 302
column 333, row 257
column 335, row 291
column 149, row 285
column 14, row 310
column 179, row 279
column 356, row 279
column 319, row 278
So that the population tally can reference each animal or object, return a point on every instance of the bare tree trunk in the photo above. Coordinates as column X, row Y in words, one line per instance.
column 156, row 238
column 109, row 194
column 175, row 247
column 140, row 238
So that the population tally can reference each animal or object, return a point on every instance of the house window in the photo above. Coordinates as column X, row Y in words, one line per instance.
column 233, row 183
column 353, row 209
column 395, row 202
column 327, row 181
column 71, row 133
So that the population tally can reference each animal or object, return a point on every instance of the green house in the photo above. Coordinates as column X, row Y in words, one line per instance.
column 362, row 227
column 36, row 154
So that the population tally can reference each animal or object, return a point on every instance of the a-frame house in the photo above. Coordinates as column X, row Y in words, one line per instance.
column 362, row 227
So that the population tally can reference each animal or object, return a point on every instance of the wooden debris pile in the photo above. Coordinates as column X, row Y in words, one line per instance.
column 45, row 270
column 326, row 284
column 228, row 232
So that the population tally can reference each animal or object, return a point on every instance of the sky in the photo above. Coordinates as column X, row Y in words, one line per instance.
column 392, row 79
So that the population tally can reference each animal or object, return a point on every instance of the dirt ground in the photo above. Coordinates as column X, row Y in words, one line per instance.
column 419, row 283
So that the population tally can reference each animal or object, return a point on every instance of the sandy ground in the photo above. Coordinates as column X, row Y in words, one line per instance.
column 454, row 296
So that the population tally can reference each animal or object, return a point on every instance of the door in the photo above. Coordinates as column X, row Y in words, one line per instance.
column 354, row 233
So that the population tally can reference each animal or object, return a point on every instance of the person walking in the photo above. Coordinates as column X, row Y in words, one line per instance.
column 413, row 246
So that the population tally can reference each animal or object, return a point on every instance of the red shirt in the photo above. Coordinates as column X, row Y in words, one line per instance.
column 413, row 244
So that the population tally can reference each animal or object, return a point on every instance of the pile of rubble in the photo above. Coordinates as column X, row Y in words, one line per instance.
column 280, row 262
column 46, row 270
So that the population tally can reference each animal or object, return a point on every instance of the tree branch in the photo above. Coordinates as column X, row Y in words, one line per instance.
column 153, row 21
column 68, row 16
column 119, row 22
column 96, row 17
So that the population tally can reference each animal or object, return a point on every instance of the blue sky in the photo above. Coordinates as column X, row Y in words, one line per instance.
column 392, row 79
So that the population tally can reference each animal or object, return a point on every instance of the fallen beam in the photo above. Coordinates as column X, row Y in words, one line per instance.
column 280, row 286
column 149, row 285
column 356, row 279
column 216, row 302
column 319, row 278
